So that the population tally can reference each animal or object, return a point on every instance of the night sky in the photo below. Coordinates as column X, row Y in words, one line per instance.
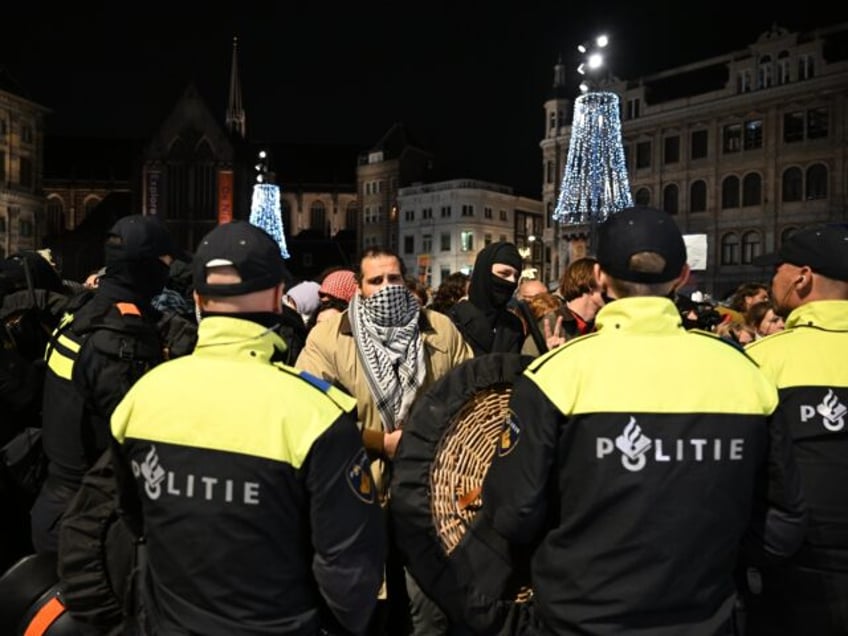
column 467, row 78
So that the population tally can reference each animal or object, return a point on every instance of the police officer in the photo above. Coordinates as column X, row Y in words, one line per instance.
column 94, row 356
column 807, row 361
column 633, row 458
column 249, row 477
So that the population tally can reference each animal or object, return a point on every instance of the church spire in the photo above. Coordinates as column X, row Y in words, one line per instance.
column 235, row 111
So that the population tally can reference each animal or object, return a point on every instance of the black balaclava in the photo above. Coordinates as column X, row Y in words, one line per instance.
column 487, row 292
column 133, row 249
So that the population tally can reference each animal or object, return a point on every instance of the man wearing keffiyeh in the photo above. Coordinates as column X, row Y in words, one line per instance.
column 384, row 350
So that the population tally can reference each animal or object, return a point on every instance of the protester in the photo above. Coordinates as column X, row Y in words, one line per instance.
column 807, row 361
column 483, row 318
column 762, row 318
column 633, row 460
column 384, row 350
column 259, row 513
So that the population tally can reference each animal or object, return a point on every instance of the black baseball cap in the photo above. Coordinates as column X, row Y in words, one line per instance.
column 247, row 248
column 139, row 237
column 640, row 229
column 822, row 248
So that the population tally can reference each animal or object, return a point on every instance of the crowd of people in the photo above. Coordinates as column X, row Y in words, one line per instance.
column 204, row 445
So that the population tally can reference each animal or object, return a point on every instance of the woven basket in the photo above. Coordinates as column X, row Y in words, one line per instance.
column 460, row 465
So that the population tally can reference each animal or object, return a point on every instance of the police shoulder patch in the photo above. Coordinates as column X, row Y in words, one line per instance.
column 358, row 474
column 508, row 438
column 315, row 381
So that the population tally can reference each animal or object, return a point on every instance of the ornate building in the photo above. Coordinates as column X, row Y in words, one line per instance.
column 22, row 125
column 743, row 148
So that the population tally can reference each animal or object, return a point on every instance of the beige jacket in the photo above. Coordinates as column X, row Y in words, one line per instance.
column 330, row 353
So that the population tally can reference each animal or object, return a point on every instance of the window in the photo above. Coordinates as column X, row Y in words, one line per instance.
column 2, row 127
column 409, row 215
column 730, row 249
column 643, row 196
column 743, row 81
column 502, row 238
column 753, row 134
column 467, row 210
column 628, row 162
column 816, row 182
column 793, row 127
column 783, row 67
column 26, row 172
column 764, row 72
column 699, row 144
column 26, row 133
column 318, row 216
column 671, row 149
column 643, row 155
column 487, row 213
column 670, row 196
column 751, row 189
column 806, row 67
column 90, row 205
column 750, row 246
column 445, row 242
column 2, row 224
column 55, row 216
column 446, row 211
column 466, row 241
column 730, row 193
column 427, row 213
column 351, row 215
column 552, row 120
column 487, row 239
column 633, row 108
column 2, row 168
column 792, row 185
column 732, row 138
column 817, row 123
column 503, row 216
column 408, row 244
column 25, row 227
column 549, row 172
column 426, row 243
column 698, row 196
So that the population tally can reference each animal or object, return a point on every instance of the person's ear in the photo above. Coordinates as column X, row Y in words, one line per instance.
column 683, row 278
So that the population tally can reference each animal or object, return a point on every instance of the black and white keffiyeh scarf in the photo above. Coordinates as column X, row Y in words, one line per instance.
column 385, row 326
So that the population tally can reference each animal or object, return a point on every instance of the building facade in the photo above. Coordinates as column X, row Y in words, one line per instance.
column 22, row 130
column 743, row 148
column 442, row 226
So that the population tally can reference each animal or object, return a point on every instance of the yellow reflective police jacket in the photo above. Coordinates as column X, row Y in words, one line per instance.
column 630, row 460
column 808, row 362
column 254, row 490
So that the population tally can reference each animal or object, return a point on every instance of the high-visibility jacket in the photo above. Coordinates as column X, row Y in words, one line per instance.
column 631, row 462
column 257, row 503
column 808, row 361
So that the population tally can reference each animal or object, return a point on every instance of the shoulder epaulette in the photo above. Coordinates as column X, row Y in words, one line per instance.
column 339, row 397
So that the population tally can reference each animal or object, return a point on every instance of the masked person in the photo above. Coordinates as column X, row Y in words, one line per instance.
column 384, row 350
column 95, row 355
column 484, row 319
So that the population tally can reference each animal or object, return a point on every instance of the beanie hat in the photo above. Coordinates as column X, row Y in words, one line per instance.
column 305, row 296
column 247, row 248
column 340, row 284
column 640, row 229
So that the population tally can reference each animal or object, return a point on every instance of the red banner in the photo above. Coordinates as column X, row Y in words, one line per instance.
column 225, row 196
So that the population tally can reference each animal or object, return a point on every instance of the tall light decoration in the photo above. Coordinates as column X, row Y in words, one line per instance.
column 265, row 204
column 594, row 183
